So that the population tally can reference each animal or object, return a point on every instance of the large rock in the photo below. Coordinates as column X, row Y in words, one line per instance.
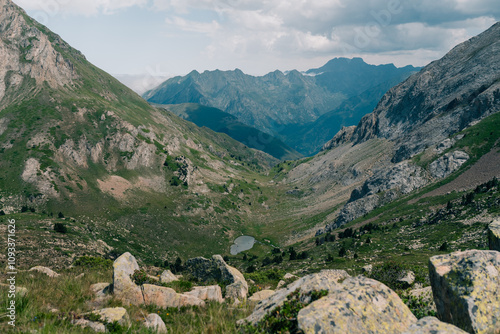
column 494, row 235
column 324, row 280
column 167, row 277
column 95, row 326
column 167, row 297
column 102, row 294
column 466, row 288
column 155, row 322
column 358, row 305
column 448, row 163
column 212, row 292
column 261, row 295
column 123, row 286
column 44, row 270
column 118, row 314
column 216, row 269
column 431, row 325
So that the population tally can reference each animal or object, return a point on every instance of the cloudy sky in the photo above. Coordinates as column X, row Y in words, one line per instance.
column 173, row 37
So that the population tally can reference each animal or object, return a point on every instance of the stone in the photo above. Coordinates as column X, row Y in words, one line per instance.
column 367, row 269
column 155, row 322
column 280, row 285
column 216, row 269
column 118, row 314
column 212, row 292
column 123, row 286
column 358, row 305
column 466, row 290
column 167, row 277
column 324, row 280
column 101, row 289
column 289, row 276
column 448, row 163
column 261, row 295
column 432, row 325
column 44, row 270
column 407, row 279
column 426, row 295
column 154, row 278
column 95, row 326
column 494, row 235
column 80, row 276
column 167, row 297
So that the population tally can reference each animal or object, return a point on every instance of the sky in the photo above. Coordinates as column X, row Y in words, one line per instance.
column 147, row 41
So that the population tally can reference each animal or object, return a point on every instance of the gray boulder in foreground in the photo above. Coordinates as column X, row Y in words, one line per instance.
column 359, row 305
column 494, row 235
column 466, row 289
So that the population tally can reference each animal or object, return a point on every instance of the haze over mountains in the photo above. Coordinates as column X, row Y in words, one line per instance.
column 303, row 109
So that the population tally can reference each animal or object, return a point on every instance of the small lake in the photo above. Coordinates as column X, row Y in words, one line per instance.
column 242, row 244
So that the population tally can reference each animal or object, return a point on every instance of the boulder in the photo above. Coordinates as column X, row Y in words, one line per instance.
column 101, row 289
column 494, row 235
column 466, row 289
column 167, row 277
column 289, row 276
column 280, row 285
column 324, row 280
column 216, row 269
column 95, row 326
column 118, row 314
column 167, row 297
column 367, row 269
column 407, row 279
column 212, row 292
column 358, row 305
column 431, row 325
column 261, row 295
column 155, row 322
column 44, row 270
column 123, row 286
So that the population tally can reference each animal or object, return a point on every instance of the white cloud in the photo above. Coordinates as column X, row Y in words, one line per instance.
column 51, row 8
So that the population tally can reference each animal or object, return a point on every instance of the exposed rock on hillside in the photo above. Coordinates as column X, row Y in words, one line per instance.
column 358, row 305
column 494, row 235
column 447, row 164
column 466, row 289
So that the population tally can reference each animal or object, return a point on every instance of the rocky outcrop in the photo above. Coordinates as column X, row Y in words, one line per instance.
column 93, row 325
column 358, row 305
column 166, row 297
column 447, row 164
column 102, row 294
column 342, row 137
column 44, row 270
column 167, row 277
column 110, row 315
column 261, row 295
column 494, row 235
column 216, row 269
column 324, row 280
column 212, row 292
column 123, row 286
column 432, row 325
column 407, row 279
column 155, row 322
column 466, row 289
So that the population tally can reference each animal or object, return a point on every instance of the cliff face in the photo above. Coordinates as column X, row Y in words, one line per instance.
column 443, row 98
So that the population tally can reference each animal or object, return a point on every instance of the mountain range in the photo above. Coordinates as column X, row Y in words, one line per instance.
column 291, row 106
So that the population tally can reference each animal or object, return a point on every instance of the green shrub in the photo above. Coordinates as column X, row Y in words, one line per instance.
column 60, row 227
column 93, row 262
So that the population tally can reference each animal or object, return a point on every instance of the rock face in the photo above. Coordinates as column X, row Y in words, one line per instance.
column 44, row 270
column 358, row 305
column 324, row 280
column 212, row 292
column 155, row 322
column 216, row 269
column 123, row 286
column 167, row 277
column 466, row 289
column 447, row 164
column 431, row 325
column 494, row 235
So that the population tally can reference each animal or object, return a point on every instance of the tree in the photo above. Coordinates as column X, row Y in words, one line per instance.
column 342, row 252
column 60, row 227
column 177, row 266
column 329, row 258
column 60, row 215
column 293, row 254
column 444, row 247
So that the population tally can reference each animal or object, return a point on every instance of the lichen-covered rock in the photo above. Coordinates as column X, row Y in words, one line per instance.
column 212, row 292
column 324, row 280
column 216, row 269
column 44, row 270
column 123, row 286
column 466, row 288
column 118, row 314
column 261, row 295
column 167, row 297
column 358, row 305
column 431, row 325
column 167, row 277
column 155, row 322
column 95, row 326
column 494, row 235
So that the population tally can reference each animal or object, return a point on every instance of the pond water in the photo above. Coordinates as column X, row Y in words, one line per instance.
column 241, row 244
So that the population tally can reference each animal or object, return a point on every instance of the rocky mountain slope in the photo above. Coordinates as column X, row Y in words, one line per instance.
column 280, row 103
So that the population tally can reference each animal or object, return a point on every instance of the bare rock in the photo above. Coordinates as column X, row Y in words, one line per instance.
column 167, row 297
column 448, row 163
column 167, row 277
column 118, row 314
column 123, row 286
column 212, row 292
column 367, row 269
column 101, row 289
column 261, row 295
column 431, row 325
column 407, row 279
column 155, row 322
column 281, row 284
column 466, row 289
column 46, row 271
column 289, row 276
column 494, row 235
column 95, row 326
column 358, row 305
